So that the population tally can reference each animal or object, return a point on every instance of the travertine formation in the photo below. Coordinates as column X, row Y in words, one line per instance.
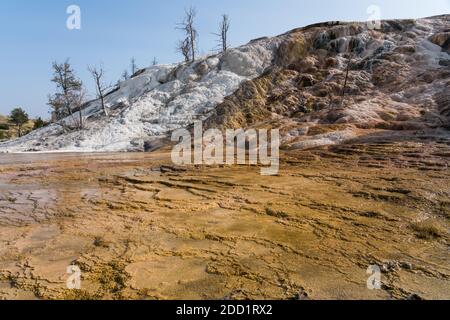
column 334, row 82
column 321, row 85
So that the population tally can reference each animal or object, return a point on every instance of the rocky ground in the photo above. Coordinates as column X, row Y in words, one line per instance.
column 139, row 228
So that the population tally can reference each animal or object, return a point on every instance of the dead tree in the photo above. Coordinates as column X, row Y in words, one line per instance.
column 183, row 47
column 134, row 67
column 79, row 104
column 224, row 28
column 125, row 75
column 100, row 86
column 191, row 33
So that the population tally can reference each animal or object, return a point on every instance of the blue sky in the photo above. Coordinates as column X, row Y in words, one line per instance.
column 34, row 33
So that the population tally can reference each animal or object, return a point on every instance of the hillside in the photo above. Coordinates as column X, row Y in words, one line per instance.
column 397, row 83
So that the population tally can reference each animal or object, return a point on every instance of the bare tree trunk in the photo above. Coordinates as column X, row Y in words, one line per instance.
column 100, row 91
column 102, row 100
column 98, row 74
column 81, row 119
column 184, row 49
column 192, row 45
column 225, row 27
column 134, row 67
column 79, row 106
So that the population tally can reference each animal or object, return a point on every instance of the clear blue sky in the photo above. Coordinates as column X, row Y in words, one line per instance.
column 34, row 33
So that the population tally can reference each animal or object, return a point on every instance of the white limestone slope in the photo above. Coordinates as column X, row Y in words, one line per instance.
column 153, row 102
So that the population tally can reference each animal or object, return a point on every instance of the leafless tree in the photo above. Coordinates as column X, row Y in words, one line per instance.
column 191, row 33
column 125, row 75
column 133, row 65
column 183, row 47
column 224, row 28
column 79, row 103
column 101, row 88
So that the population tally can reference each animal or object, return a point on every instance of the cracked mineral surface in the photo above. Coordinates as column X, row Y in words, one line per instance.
column 140, row 228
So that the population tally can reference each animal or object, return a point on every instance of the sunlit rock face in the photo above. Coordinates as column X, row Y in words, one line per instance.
column 336, row 81
column 322, row 84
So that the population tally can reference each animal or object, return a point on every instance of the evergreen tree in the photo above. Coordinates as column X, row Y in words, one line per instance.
column 18, row 117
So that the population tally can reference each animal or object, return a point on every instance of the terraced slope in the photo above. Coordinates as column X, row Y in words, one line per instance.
column 333, row 82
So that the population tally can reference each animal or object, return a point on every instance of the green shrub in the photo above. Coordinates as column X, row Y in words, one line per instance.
column 39, row 123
